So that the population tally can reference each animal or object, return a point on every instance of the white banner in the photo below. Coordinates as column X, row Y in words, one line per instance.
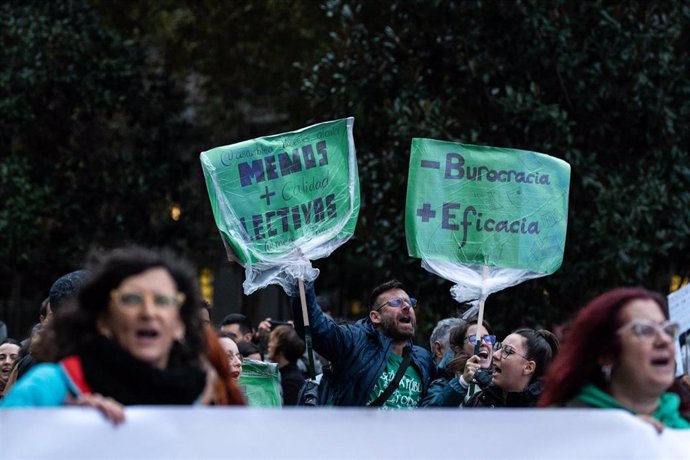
column 679, row 310
column 245, row 433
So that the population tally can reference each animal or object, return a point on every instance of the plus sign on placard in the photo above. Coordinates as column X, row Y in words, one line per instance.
column 267, row 196
column 426, row 213
column 487, row 206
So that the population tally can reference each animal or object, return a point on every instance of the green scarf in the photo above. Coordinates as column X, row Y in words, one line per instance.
column 667, row 412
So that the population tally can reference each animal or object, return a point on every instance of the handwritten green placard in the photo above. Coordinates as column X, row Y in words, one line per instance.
column 291, row 193
column 488, row 206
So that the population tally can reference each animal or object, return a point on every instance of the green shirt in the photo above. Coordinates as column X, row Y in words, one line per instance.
column 667, row 412
column 409, row 391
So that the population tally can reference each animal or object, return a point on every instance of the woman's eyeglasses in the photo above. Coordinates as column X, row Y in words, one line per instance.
column 649, row 330
column 137, row 299
column 398, row 303
column 488, row 339
column 507, row 350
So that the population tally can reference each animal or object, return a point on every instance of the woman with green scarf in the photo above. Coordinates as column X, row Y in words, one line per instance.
column 619, row 354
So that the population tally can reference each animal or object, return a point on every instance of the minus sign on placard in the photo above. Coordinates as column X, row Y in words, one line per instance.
column 431, row 164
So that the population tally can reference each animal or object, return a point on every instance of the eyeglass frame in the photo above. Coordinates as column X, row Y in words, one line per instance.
column 412, row 302
column 237, row 355
column 501, row 348
column 176, row 300
column 658, row 328
column 473, row 339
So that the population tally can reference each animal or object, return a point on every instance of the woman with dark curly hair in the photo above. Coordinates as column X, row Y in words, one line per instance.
column 619, row 355
column 135, row 338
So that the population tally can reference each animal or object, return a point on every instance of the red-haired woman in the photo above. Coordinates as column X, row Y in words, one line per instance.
column 619, row 355
column 222, row 388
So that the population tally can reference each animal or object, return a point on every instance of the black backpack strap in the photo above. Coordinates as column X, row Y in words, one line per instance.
column 383, row 397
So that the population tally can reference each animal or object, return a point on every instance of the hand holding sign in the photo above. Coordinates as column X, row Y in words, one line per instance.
column 281, row 201
column 485, row 218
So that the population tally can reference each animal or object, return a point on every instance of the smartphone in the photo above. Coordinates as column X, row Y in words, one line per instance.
column 275, row 324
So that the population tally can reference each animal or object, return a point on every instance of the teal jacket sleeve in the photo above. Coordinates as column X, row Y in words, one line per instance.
column 45, row 385
column 334, row 342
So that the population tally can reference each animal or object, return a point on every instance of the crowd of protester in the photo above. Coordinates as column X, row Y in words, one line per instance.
column 131, row 328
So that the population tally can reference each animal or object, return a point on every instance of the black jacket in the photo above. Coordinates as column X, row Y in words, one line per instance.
column 291, row 380
column 493, row 396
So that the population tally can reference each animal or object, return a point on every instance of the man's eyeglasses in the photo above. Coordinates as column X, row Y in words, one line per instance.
column 648, row 329
column 489, row 339
column 507, row 350
column 137, row 299
column 398, row 303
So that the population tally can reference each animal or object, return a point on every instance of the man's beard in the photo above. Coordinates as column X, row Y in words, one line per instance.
column 389, row 329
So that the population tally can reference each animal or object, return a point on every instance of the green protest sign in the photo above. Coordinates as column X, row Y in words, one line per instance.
column 486, row 206
column 282, row 200
column 260, row 383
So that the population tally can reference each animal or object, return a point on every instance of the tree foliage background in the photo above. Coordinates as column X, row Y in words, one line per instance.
column 104, row 109
column 601, row 86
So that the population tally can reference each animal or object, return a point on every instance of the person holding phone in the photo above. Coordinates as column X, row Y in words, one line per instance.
column 519, row 364
column 452, row 389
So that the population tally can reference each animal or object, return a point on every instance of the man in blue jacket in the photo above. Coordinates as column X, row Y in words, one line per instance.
column 366, row 355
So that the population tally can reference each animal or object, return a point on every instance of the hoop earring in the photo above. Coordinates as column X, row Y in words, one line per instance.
column 606, row 372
